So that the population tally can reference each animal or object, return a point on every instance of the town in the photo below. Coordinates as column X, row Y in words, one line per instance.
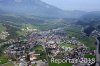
column 39, row 47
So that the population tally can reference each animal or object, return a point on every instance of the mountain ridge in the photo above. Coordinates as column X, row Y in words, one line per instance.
column 37, row 8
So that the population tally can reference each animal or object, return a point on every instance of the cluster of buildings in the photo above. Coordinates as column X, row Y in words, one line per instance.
column 96, row 33
column 28, row 29
column 73, row 42
column 4, row 35
column 16, row 50
column 51, row 42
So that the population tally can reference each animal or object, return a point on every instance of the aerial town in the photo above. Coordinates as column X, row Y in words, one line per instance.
column 39, row 47
column 49, row 33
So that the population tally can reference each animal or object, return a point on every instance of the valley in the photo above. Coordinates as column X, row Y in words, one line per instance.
column 37, row 33
column 48, row 39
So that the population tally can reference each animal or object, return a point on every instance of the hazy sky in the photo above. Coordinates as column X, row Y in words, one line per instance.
column 86, row 5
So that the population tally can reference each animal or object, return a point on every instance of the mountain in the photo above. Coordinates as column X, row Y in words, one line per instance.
column 75, row 14
column 31, row 7
column 90, row 18
column 37, row 8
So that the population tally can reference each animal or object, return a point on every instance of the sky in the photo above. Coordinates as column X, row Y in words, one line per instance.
column 84, row 5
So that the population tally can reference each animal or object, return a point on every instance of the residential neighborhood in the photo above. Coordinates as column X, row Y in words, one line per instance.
column 40, row 46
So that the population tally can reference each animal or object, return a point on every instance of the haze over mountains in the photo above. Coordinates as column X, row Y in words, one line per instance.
column 37, row 8
column 90, row 18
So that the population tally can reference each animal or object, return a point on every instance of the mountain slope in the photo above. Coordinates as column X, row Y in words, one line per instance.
column 36, row 8
column 31, row 7
column 90, row 18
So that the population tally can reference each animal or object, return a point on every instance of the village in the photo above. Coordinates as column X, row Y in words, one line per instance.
column 40, row 46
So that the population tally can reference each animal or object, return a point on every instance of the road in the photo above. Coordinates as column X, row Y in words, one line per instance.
column 46, row 53
column 97, row 53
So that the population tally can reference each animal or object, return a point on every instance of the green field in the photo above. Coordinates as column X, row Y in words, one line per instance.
column 68, row 45
column 89, row 42
column 89, row 56
column 8, row 64
column 39, row 50
column 25, row 26
column 3, row 59
column 75, row 31
column 2, row 28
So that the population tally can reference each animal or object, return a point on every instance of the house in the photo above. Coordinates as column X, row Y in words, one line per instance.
column 33, row 56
